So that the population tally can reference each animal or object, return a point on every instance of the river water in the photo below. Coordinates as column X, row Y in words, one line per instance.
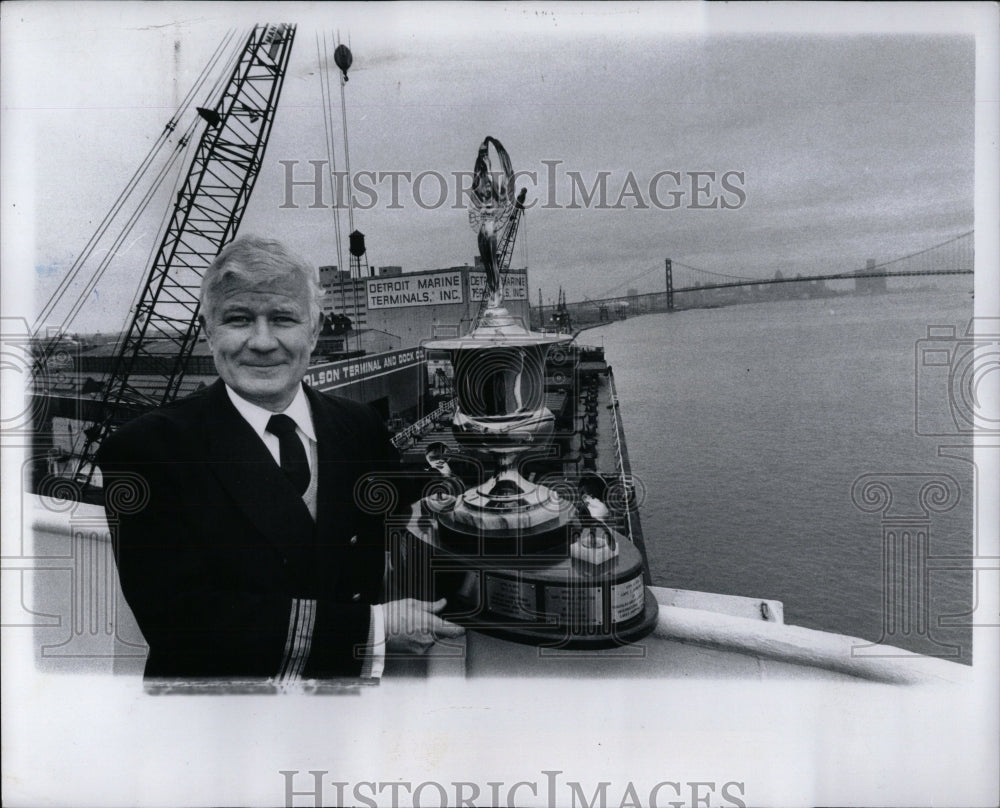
column 748, row 426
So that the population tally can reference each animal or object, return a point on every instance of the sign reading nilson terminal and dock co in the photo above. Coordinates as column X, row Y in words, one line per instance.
column 331, row 375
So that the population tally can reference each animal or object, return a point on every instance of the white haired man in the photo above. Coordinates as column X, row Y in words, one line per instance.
column 250, row 557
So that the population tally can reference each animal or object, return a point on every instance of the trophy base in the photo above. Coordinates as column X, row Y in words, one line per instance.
column 556, row 637
column 564, row 602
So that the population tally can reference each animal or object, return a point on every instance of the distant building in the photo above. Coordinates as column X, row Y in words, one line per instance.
column 343, row 295
column 868, row 286
column 331, row 274
column 417, row 306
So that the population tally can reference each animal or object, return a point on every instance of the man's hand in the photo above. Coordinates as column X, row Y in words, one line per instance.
column 412, row 626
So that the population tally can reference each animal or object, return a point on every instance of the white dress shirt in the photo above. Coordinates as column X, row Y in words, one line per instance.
column 258, row 418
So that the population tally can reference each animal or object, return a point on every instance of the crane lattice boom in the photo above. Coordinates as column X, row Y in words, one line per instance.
column 164, row 327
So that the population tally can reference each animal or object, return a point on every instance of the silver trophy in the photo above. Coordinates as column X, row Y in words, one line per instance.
column 515, row 557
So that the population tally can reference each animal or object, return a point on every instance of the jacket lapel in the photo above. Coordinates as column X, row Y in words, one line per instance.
column 248, row 472
column 337, row 467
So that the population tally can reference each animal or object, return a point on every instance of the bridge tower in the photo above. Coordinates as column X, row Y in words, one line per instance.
column 670, row 284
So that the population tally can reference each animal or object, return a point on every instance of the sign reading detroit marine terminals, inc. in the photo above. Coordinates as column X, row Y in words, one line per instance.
column 515, row 285
column 418, row 290
column 436, row 288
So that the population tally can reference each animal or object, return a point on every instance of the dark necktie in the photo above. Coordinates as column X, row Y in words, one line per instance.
column 293, row 455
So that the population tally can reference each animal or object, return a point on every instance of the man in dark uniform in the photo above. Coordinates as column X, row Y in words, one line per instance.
column 248, row 549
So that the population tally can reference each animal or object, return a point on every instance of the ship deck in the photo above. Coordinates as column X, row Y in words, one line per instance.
column 71, row 603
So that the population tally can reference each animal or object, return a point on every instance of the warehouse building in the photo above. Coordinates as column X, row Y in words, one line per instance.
column 413, row 307
column 418, row 306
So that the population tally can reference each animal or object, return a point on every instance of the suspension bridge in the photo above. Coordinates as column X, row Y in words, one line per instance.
column 687, row 286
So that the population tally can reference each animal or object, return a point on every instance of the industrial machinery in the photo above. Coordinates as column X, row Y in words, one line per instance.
column 209, row 206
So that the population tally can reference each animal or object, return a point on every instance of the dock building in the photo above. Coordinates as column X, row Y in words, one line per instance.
column 416, row 306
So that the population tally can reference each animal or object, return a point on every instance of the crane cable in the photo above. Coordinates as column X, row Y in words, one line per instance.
column 326, row 94
column 137, row 213
column 112, row 252
column 350, row 199
column 123, row 196
column 186, row 144
column 328, row 123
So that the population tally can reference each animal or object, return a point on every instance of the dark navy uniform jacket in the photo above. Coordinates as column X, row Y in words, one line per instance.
column 217, row 552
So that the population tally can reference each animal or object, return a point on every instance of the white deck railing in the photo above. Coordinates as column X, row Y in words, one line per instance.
column 80, row 612
column 618, row 441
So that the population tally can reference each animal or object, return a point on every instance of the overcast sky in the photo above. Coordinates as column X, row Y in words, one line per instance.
column 848, row 146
